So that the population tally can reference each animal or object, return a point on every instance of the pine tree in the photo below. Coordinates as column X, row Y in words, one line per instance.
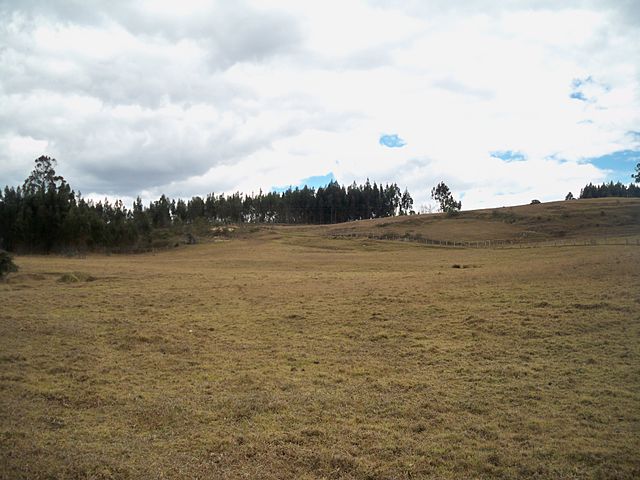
column 406, row 203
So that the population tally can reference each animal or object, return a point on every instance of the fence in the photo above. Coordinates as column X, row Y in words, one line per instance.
column 496, row 243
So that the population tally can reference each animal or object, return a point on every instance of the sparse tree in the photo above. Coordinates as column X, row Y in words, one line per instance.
column 636, row 176
column 426, row 208
column 444, row 197
column 569, row 196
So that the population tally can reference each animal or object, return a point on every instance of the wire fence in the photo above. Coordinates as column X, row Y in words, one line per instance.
column 631, row 240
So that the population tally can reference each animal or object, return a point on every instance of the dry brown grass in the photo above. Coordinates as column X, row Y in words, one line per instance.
column 292, row 355
column 586, row 218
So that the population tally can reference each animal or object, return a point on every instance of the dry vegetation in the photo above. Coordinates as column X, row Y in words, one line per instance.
column 586, row 218
column 287, row 354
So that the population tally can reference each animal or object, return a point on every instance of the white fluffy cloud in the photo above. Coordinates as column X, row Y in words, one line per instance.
column 194, row 96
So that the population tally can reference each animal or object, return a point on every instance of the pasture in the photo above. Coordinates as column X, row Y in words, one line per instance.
column 285, row 353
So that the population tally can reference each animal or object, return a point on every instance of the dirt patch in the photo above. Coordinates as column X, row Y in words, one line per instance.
column 76, row 277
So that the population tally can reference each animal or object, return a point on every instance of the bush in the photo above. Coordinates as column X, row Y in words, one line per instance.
column 6, row 264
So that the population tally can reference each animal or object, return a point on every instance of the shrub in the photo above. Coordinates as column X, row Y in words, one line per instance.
column 6, row 264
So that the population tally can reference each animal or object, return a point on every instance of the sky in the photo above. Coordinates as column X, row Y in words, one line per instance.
column 505, row 101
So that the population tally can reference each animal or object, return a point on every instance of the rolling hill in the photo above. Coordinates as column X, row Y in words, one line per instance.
column 576, row 219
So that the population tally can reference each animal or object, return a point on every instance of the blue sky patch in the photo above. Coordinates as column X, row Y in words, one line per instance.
column 578, row 96
column 621, row 164
column 311, row 182
column 508, row 155
column 578, row 86
column 392, row 141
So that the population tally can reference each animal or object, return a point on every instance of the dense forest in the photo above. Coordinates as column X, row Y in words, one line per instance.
column 46, row 215
column 610, row 190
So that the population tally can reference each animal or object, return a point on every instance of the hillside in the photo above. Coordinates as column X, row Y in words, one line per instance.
column 576, row 219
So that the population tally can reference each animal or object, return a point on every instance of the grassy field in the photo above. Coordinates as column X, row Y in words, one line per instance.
column 289, row 354
column 586, row 218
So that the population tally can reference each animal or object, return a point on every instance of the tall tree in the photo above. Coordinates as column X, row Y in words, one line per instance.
column 406, row 203
column 43, row 177
column 444, row 197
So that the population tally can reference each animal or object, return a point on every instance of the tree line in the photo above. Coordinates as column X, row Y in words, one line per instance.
column 45, row 214
column 610, row 189
column 333, row 203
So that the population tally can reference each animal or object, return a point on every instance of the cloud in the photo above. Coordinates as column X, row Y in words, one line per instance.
column 391, row 141
column 458, row 87
column 198, row 96
column 593, row 88
column 128, row 104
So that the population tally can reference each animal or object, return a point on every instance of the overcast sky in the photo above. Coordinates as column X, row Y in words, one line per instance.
column 504, row 100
